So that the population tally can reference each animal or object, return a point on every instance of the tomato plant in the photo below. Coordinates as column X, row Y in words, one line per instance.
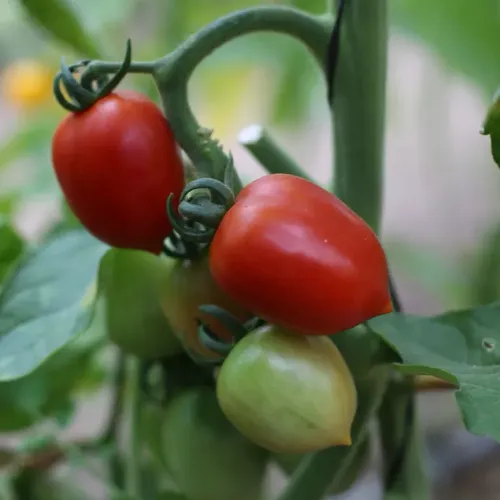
column 206, row 457
column 230, row 326
column 312, row 265
column 287, row 393
column 112, row 157
column 187, row 286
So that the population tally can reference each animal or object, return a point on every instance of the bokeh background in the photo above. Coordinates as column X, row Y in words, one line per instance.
column 441, row 212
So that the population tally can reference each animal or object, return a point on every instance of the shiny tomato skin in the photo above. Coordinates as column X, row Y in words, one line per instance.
column 298, row 257
column 116, row 163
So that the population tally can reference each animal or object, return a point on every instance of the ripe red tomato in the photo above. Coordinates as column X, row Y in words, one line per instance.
column 116, row 163
column 296, row 256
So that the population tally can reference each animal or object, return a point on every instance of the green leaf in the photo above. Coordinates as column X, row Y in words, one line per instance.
column 60, row 21
column 460, row 347
column 47, row 301
column 464, row 34
column 11, row 247
column 50, row 390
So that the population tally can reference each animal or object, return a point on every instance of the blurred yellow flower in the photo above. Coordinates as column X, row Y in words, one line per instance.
column 27, row 84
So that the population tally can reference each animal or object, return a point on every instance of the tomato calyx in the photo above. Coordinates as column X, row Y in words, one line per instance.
column 177, row 248
column 202, row 206
column 236, row 328
column 91, row 87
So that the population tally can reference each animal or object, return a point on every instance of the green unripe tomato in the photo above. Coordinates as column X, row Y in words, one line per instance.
column 206, row 457
column 135, row 322
column 288, row 463
column 288, row 393
column 188, row 286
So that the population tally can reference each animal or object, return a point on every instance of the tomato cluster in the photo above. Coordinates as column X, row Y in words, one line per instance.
column 286, row 252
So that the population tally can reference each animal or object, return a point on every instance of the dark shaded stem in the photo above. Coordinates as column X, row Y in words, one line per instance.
column 110, row 432
column 133, row 463
column 110, row 435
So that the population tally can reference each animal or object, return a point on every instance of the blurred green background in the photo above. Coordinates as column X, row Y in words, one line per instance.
column 441, row 212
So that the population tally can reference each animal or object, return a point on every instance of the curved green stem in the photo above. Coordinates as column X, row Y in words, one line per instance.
column 359, row 108
column 267, row 152
column 133, row 464
column 173, row 72
column 103, row 67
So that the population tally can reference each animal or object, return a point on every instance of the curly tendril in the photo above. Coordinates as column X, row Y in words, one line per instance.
column 237, row 329
column 82, row 94
column 176, row 248
column 202, row 205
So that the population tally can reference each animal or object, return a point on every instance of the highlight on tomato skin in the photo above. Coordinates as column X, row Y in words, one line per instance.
column 298, row 257
column 116, row 163
column 288, row 393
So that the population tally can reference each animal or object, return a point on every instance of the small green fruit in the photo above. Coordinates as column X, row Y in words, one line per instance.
column 135, row 322
column 288, row 393
column 206, row 457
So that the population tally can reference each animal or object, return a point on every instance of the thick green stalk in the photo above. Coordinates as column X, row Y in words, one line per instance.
column 359, row 108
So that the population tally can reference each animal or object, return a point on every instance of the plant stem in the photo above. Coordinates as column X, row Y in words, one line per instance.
column 359, row 108
column 173, row 72
column 133, row 465
column 109, row 67
column 267, row 152
column 110, row 433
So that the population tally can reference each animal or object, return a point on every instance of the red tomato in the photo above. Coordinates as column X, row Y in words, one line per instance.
column 296, row 256
column 117, row 162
